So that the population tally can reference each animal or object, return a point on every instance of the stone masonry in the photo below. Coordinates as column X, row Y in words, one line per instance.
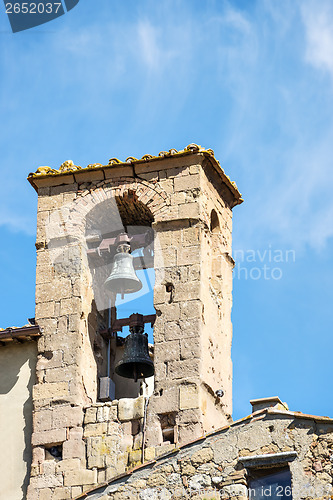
column 218, row 465
column 187, row 200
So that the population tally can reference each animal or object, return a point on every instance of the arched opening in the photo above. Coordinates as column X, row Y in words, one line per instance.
column 116, row 225
column 214, row 222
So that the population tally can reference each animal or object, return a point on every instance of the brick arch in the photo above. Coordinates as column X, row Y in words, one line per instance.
column 151, row 195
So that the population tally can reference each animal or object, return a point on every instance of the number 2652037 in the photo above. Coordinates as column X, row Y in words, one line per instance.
column 32, row 8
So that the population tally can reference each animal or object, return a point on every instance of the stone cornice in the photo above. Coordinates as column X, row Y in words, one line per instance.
column 69, row 168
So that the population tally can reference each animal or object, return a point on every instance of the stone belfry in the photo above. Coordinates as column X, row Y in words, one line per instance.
column 176, row 208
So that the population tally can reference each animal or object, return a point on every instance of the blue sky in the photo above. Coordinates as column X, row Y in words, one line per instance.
column 251, row 80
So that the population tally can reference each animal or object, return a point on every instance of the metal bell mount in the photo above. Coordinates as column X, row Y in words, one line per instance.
column 136, row 363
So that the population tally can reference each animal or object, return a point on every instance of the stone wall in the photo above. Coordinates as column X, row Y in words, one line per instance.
column 192, row 298
column 101, row 443
column 213, row 467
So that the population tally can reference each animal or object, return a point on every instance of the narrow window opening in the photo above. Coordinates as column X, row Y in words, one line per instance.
column 214, row 222
column 273, row 483
column 168, row 427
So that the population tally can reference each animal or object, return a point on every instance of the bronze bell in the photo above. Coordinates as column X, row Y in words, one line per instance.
column 122, row 278
column 136, row 362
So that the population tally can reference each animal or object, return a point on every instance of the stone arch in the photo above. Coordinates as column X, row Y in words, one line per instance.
column 66, row 228
column 151, row 195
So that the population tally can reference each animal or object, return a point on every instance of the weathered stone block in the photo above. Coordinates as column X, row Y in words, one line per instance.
column 76, row 491
column 135, row 456
column 194, row 169
column 113, row 428
column 190, row 327
column 73, row 448
column 80, row 477
column 68, row 464
column 38, row 454
column 191, row 236
column 61, row 374
column 62, row 494
column 235, row 490
column 137, row 441
column 189, row 432
column 44, row 274
column 44, row 310
column 129, row 409
column 189, row 211
column 178, row 198
column 122, row 461
column 199, row 481
column 166, row 402
column 113, row 171
column 42, row 420
column 187, row 291
column 150, row 453
column 160, row 371
column 187, row 182
column 188, row 255
column 194, row 272
column 48, row 481
column 95, row 452
column 190, row 348
column 103, row 413
column 52, row 437
column 56, row 390
column 172, row 331
column 69, row 306
column 183, row 369
column 48, row 467
column 55, row 290
column 188, row 396
column 45, row 494
column 98, row 429
column 90, row 415
column 167, row 351
column 126, row 443
column 166, row 257
column 164, row 448
column 167, row 185
column 202, row 456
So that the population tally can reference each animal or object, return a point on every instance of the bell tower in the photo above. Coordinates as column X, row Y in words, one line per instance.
column 98, row 228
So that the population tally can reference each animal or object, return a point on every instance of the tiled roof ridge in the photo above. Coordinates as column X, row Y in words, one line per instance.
column 19, row 333
column 10, row 328
column 68, row 166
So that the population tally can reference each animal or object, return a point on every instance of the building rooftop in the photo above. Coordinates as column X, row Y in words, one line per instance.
column 253, row 417
column 69, row 168
column 20, row 334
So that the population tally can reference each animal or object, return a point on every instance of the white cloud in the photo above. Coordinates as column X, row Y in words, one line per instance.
column 17, row 222
column 318, row 21
column 151, row 53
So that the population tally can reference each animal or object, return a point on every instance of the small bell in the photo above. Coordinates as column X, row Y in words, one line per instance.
column 136, row 362
column 122, row 278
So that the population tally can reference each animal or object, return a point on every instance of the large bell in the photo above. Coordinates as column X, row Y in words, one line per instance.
column 136, row 362
column 122, row 278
